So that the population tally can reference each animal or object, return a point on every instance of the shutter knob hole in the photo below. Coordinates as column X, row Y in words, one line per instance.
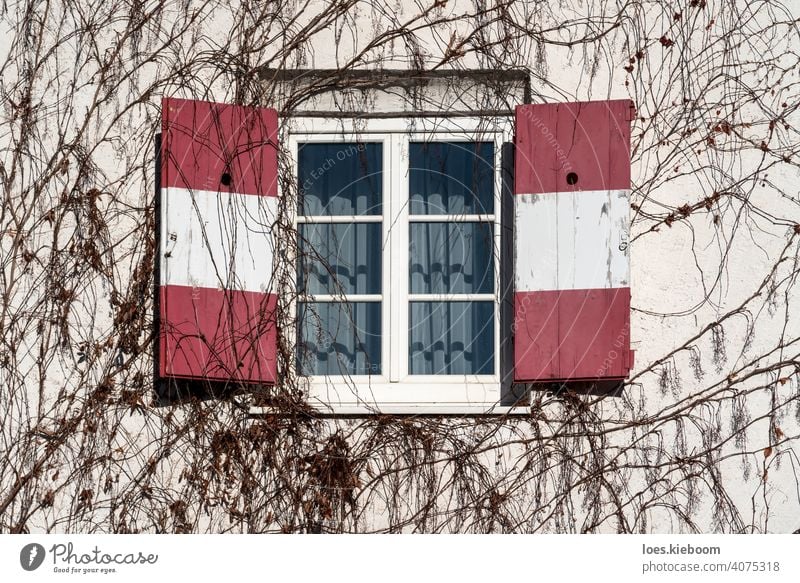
column 226, row 179
column 572, row 178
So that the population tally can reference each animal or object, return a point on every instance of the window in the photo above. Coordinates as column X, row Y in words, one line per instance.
column 403, row 305
column 398, row 266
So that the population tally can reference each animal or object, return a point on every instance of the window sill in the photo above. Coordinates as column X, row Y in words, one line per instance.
column 404, row 409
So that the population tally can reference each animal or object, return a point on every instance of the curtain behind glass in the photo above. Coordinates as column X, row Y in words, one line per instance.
column 453, row 337
column 451, row 258
column 451, row 178
column 449, row 338
column 340, row 337
column 340, row 178
column 340, row 258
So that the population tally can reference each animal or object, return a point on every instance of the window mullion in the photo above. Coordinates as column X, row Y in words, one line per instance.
column 398, row 258
column 498, row 233
column 340, row 298
column 437, row 218
column 488, row 297
column 336, row 219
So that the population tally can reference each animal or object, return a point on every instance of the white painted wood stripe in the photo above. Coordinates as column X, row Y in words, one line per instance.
column 571, row 240
column 217, row 240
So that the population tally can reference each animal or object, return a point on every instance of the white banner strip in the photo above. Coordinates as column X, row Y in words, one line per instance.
column 371, row 558
column 571, row 240
column 217, row 239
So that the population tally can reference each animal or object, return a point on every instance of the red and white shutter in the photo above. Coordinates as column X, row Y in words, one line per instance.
column 572, row 274
column 218, row 204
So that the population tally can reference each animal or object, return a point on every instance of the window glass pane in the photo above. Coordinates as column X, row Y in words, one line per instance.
column 449, row 338
column 340, row 178
column 451, row 258
column 340, row 258
column 339, row 338
column 451, row 178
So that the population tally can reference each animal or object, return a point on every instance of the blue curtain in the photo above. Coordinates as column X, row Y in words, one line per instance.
column 453, row 258
column 340, row 337
column 452, row 337
column 339, row 259
column 340, row 179
column 451, row 178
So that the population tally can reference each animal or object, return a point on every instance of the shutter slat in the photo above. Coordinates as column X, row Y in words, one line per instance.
column 218, row 202
column 572, row 290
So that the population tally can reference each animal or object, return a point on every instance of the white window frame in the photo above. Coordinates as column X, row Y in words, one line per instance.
column 395, row 391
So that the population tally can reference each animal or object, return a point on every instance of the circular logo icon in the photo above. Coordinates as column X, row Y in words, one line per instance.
column 31, row 556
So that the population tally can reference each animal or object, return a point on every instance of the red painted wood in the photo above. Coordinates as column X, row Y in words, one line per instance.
column 207, row 333
column 571, row 335
column 589, row 139
column 218, row 335
column 565, row 335
column 201, row 141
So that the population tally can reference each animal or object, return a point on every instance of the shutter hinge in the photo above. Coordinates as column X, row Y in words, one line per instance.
column 631, row 112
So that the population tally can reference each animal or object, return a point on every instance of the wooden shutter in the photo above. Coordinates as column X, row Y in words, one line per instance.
column 217, row 205
column 571, row 206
